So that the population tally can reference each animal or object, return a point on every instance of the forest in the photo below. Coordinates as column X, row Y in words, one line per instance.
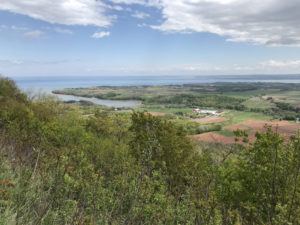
column 58, row 166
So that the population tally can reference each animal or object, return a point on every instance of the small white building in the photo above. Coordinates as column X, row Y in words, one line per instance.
column 206, row 111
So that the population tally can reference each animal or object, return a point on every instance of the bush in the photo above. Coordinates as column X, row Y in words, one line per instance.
column 58, row 167
column 208, row 128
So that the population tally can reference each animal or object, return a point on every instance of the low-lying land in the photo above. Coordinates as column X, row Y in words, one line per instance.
column 211, row 112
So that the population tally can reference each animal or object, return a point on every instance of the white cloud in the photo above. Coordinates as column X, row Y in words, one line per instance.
column 129, row 2
column 117, row 7
column 101, row 34
column 62, row 31
column 269, row 22
column 67, row 12
column 140, row 15
column 9, row 62
column 59, row 66
column 31, row 33
column 14, row 27
column 34, row 34
column 3, row 27
column 25, row 31
column 141, row 25
column 152, row 3
column 281, row 64
column 17, row 28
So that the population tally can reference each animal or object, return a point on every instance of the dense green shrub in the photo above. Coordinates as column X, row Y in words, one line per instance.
column 59, row 167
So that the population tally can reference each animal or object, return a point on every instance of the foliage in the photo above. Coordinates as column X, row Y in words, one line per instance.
column 59, row 167
column 189, row 100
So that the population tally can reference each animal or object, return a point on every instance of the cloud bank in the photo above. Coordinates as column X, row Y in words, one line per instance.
column 265, row 22
column 268, row 22
column 66, row 12
column 58, row 67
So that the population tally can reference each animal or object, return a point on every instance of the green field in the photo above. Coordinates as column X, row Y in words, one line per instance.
column 291, row 97
column 235, row 117
column 258, row 103
column 240, row 101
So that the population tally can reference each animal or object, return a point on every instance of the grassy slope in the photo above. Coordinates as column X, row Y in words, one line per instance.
column 292, row 97
column 258, row 103
column 235, row 117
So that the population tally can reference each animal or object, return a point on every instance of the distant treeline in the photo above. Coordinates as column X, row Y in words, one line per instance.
column 190, row 100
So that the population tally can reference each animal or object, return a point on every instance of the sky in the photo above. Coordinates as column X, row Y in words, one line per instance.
column 149, row 37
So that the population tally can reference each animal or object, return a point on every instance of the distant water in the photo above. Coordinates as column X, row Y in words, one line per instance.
column 48, row 84
column 108, row 103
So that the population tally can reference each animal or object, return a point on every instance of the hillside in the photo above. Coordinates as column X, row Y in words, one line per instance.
column 64, row 164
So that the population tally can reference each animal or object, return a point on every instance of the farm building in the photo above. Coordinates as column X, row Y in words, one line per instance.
column 206, row 111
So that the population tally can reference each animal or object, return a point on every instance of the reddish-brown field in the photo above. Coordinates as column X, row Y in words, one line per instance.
column 285, row 128
column 207, row 120
column 213, row 137
column 157, row 113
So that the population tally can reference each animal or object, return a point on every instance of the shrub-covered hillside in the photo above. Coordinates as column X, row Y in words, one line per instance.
column 59, row 167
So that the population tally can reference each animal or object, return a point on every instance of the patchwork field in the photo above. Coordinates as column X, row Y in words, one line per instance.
column 244, row 106
column 213, row 137
column 285, row 128
column 210, row 119
column 290, row 97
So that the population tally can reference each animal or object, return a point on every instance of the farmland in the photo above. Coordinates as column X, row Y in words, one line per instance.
column 245, row 106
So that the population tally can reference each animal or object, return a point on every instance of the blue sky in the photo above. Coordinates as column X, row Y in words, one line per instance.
column 149, row 37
